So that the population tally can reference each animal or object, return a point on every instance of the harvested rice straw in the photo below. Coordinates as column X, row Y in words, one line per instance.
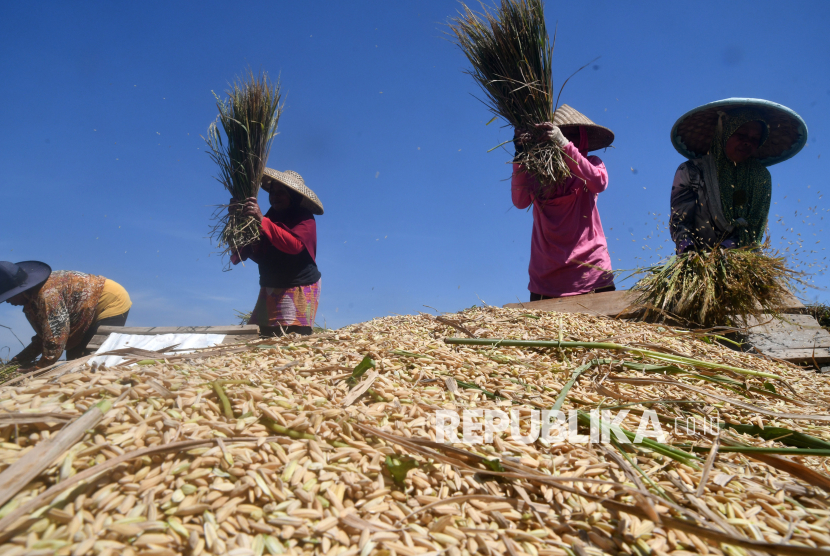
column 511, row 58
column 8, row 371
column 249, row 119
column 722, row 287
column 293, row 471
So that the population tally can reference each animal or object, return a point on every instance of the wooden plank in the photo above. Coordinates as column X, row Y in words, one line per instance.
column 792, row 306
column 609, row 304
column 242, row 329
column 613, row 304
column 797, row 338
column 239, row 339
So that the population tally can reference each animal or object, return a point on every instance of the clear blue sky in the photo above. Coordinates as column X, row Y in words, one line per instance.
column 104, row 170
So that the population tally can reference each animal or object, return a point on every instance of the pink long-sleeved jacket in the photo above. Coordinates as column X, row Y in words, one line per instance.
column 568, row 250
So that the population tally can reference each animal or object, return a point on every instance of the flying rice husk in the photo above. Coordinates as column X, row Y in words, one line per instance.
column 249, row 118
column 510, row 53
column 721, row 287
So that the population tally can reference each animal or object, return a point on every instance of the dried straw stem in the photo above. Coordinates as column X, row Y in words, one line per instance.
column 511, row 58
column 720, row 287
column 546, row 161
column 248, row 118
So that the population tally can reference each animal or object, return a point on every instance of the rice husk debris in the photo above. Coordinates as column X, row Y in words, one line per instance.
column 294, row 471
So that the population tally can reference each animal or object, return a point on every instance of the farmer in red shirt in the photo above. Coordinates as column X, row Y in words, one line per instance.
column 286, row 255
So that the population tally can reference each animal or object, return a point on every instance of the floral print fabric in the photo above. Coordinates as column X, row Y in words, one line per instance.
column 60, row 314
column 286, row 306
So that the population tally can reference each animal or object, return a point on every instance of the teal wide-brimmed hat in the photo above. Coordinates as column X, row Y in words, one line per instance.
column 693, row 132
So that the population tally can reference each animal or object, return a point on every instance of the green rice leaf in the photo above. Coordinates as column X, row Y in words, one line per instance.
column 399, row 467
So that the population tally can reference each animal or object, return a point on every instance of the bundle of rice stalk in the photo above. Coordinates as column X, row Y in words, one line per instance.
column 249, row 118
column 721, row 287
column 510, row 53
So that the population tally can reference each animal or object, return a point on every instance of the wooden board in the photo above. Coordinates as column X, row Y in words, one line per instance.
column 154, row 330
column 792, row 306
column 233, row 334
column 796, row 338
column 611, row 304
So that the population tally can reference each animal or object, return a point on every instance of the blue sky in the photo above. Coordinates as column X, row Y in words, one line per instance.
column 104, row 169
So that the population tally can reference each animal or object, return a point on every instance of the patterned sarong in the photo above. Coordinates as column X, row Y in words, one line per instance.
column 286, row 306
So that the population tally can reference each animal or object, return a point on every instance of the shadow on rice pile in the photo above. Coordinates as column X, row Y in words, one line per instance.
column 326, row 445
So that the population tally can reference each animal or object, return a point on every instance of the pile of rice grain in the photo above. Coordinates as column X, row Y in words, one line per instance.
column 200, row 483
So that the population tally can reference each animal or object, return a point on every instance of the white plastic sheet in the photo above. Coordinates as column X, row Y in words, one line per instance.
column 187, row 342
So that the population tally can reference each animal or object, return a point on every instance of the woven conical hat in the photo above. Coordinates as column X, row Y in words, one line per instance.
column 292, row 179
column 569, row 120
column 693, row 132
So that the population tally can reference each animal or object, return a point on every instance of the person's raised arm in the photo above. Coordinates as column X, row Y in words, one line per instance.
column 53, row 317
column 521, row 187
column 590, row 169
column 683, row 208
column 277, row 234
column 521, row 183
column 30, row 352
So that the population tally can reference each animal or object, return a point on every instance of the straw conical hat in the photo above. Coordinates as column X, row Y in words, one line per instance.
column 693, row 132
column 292, row 179
column 569, row 121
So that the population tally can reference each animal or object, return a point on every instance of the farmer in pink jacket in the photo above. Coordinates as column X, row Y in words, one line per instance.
column 568, row 251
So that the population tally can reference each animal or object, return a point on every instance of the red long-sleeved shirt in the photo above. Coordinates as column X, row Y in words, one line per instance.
column 289, row 237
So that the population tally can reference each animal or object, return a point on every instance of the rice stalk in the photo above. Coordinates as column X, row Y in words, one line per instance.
column 511, row 58
column 715, row 288
column 248, row 118
column 243, row 316
column 821, row 312
column 609, row 346
column 8, row 371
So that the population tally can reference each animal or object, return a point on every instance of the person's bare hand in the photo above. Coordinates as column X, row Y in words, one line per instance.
column 251, row 208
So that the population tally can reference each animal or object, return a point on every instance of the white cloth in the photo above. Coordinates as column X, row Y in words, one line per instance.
column 153, row 343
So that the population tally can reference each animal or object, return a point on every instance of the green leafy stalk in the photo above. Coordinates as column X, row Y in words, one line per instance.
column 560, row 399
column 399, row 467
column 279, row 429
column 403, row 353
column 474, row 386
column 217, row 386
column 822, row 452
column 366, row 364
column 663, row 449
column 781, row 434
column 8, row 371
column 609, row 346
